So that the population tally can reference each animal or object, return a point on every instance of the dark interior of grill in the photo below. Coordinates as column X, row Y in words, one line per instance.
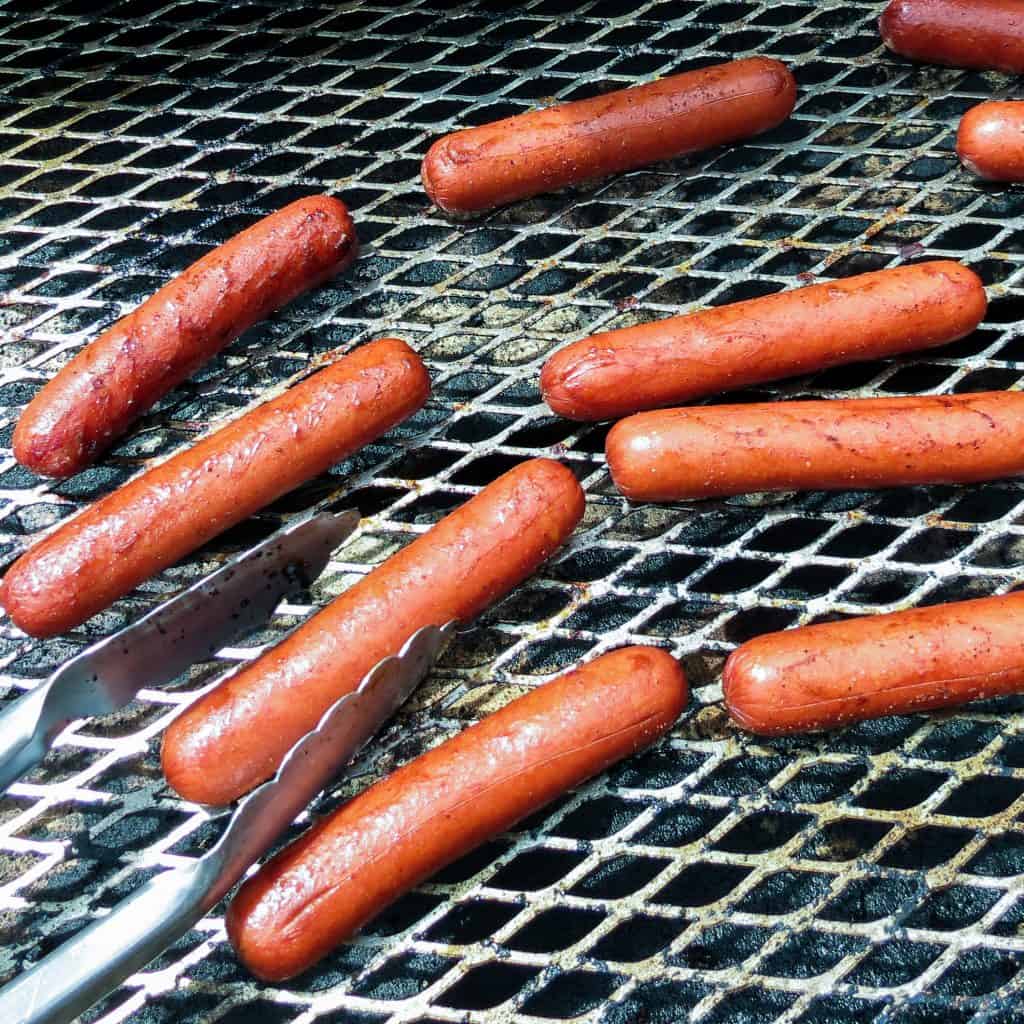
column 871, row 874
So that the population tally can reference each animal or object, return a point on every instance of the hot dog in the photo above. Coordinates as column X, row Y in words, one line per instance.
column 179, row 505
column 324, row 887
column 543, row 150
column 837, row 673
column 990, row 142
column 672, row 361
column 985, row 34
column 235, row 736
column 127, row 369
column 706, row 452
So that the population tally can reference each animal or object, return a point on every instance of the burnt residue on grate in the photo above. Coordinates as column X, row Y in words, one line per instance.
column 874, row 874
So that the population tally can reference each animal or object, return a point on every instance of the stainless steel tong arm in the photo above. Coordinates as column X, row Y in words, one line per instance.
column 97, row 959
column 191, row 626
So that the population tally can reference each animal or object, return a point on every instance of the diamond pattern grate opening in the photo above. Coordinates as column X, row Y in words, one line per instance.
column 876, row 874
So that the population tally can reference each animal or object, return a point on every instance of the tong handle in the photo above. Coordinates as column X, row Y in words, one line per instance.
column 88, row 966
column 24, row 736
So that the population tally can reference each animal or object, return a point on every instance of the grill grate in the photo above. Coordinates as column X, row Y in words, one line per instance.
column 873, row 874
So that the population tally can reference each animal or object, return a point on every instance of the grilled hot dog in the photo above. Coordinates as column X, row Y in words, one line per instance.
column 985, row 34
column 671, row 361
column 543, row 150
column 235, row 736
column 127, row 369
column 837, row 673
column 706, row 452
column 324, row 887
column 179, row 505
column 990, row 142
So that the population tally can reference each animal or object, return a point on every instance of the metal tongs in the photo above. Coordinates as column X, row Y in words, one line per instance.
column 96, row 960
column 192, row 626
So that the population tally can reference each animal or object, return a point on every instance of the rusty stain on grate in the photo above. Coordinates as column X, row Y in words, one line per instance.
column 872, row 874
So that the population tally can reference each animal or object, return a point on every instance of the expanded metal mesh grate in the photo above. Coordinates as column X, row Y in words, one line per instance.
column 872, row 874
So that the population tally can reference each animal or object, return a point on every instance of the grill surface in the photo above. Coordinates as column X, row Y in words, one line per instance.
column 873, row 874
